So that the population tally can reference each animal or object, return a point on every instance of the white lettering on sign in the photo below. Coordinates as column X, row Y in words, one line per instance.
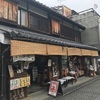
column 24, row 58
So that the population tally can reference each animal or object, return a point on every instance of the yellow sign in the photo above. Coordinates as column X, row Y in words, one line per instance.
column 25, row 81
column 19, row 82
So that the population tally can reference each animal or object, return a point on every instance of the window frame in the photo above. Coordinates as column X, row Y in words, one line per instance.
column 19, row 22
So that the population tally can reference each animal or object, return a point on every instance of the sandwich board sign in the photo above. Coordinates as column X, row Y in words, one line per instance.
column 55, row 87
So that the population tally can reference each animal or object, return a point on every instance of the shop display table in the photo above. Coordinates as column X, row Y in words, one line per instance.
column 92, row 72
column 68, row 79
column 18, row 86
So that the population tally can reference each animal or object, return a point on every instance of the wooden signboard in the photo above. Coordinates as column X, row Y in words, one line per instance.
column 55, row 87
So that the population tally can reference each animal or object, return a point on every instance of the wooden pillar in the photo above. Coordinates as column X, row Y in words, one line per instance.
column 4, row 91
column 0, row 67
column 60, row 66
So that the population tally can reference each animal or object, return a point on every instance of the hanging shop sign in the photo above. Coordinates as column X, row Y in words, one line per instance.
column 24, row 58
column 19, row 83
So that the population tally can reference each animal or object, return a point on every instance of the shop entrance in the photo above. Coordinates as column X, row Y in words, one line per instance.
column 39, row 73
column 43, row 70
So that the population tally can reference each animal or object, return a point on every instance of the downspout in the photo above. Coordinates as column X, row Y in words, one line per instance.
column 99, row 29
column 3, row 95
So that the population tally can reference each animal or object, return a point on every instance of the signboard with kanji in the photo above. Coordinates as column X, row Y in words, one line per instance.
column 19, row 83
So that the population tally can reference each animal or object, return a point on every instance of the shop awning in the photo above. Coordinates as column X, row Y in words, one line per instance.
column 86, row 52
column 74, row 52
column 19, row 34
column 56, row 50
column 64, row 51
column 94, row 53
column 27, row 48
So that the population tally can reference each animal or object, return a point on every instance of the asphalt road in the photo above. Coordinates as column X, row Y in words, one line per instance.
column 88, row 92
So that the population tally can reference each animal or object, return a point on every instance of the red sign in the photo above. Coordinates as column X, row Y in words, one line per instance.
column 53, row 89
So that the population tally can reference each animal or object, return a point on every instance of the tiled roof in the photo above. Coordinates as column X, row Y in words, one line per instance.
column 20, row 34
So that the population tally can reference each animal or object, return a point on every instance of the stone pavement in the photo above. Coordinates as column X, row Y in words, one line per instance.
column 90, row 91
column 43, row 94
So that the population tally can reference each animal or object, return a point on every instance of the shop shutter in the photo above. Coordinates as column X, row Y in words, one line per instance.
column 74, row 52
column 27, row 48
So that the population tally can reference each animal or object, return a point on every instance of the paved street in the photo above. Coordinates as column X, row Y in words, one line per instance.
column 88, row 92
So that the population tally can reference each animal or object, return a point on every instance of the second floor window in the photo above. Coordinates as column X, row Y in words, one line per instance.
column 38, row 23
column 55, row 27
column 34, row 22
column 23, row 18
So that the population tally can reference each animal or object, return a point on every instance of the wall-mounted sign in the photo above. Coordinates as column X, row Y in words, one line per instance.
column 19, row 83
column 24, row 58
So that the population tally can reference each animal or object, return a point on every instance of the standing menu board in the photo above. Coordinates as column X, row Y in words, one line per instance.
column 53, row 88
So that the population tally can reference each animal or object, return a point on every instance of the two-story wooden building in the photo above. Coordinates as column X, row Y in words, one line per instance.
column 36, row 44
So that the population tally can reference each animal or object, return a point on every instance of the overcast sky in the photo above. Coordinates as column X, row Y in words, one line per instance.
column 77, row 5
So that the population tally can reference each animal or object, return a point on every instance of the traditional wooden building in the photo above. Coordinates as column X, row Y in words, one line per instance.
column 36, row 44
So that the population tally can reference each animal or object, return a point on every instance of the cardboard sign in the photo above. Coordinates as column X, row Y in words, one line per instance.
column 53, row 89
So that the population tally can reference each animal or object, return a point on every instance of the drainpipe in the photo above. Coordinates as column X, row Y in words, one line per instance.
column 3, row 82
column 99, row 29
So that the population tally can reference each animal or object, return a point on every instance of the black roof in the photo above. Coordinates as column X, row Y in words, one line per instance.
column 19, row 34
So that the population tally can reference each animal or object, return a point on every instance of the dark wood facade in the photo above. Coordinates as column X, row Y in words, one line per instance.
column 33, row 16
column 36, row 17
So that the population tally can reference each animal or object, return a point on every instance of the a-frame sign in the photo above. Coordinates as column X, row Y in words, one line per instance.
column 55, row 87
